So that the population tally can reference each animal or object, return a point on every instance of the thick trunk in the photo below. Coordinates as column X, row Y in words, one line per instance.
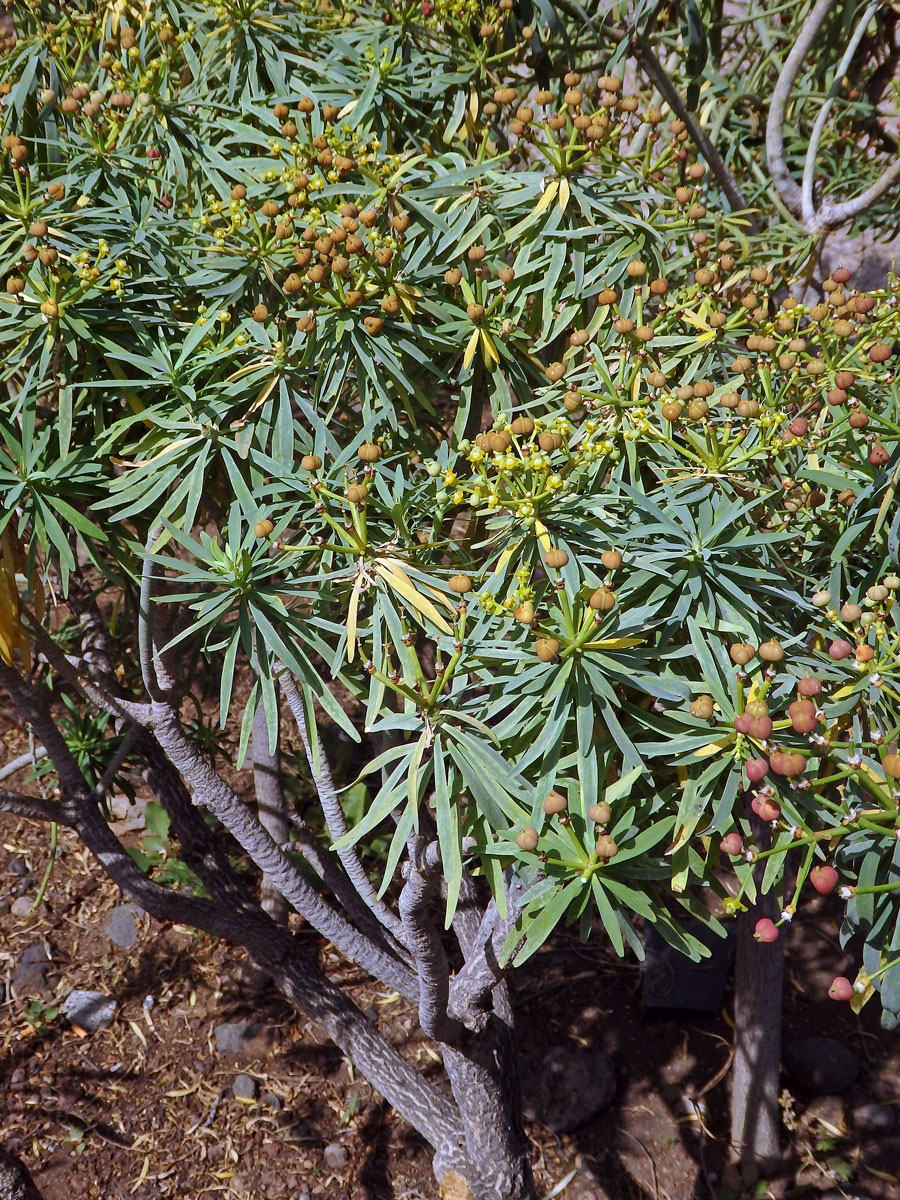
column 485, row 1080
column 755, row 1114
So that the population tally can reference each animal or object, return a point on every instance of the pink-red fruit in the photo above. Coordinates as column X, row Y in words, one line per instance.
column 841, row 988
column 732, row 843
column 824, row 879
column 766, row 930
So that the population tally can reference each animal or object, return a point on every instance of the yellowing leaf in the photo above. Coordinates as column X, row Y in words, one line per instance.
column 396, row 579
column 471, row 347
column 565, row 191
column 695, row 319
column 712, row 748
column 488, row 349
column 543, row 534
column 859, row 999
column 615, row 643
column 548, row 197
column 352, row 616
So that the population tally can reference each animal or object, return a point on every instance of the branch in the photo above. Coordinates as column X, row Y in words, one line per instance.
column 334, row 814
column 28, row 759
column 422, row 872
column 472, row 987
column 211, row 791
column 271, row 806
column 35, row 807
column 273, row 949
column 651, row 64
column 807, row 203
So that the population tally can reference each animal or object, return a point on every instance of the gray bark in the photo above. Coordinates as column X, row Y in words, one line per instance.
column 271, row 806
column 15, row 1181
column 755, row 1113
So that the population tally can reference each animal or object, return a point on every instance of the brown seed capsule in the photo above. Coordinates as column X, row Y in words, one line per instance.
column 549, row 441
column 460, row 584
column 310, row 462
column 672, row 410
column 611, row 559
column 475, row 312
column 656, row 379
column 50, row 309
column 602, row 600
column 453, row 276
column 555, row 803
column 263, row 528
column 476, row 253
column 369, row 452
column 524, row 613
column 702, row 707
column 506, row 274
column 607, row 296
column 38, row 229
column 880, row 352
column 572, row 401
column 499, row 442
column 522, row 426
column 556, row 558
column 771, row 652
column 741, row 653
column 636, row 269
column 623, row 325
column 600, row 813
column 527, row 839
column 357, row 493
column 606, row 847
column 547, row 648
column 373, row 325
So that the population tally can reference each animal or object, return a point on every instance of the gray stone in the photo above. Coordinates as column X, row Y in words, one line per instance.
column 17, row 866
column 235, row 1036
column 271, row 1101
column 29, row 975
column 336, row 1156
column 92, row 1011
column 121, row 928
column 820, row 1064
column 564, row 1086
column 674, row 983
column 244, row 1088
column 874, row 1118
column 21, row 906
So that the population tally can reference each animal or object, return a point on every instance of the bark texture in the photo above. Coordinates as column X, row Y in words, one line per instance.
column 15, row 1181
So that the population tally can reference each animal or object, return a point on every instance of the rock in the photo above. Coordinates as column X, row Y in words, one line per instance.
column 564, row 1086
column 236, row 1036
column 21, row 906
column 29, row 976
column 92, row 1011
column 17, row 866
column 674, row 983
column 873, row 1118
column 244, row 1088
column 271, row 1101
column 820, row 1064
column 121, row 928
column 336, row 1156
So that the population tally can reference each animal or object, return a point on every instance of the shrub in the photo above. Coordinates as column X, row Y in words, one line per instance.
column 367, row 355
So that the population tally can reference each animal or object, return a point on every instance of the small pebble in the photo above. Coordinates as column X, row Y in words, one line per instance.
column 21, row 906
column 336, row 1156
column 17, row 866
column 244, row 1087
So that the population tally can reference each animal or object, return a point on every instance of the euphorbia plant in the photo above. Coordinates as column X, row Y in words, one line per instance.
column 461, row 419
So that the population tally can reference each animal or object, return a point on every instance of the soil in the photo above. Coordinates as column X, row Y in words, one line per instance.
column 144, row 1109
